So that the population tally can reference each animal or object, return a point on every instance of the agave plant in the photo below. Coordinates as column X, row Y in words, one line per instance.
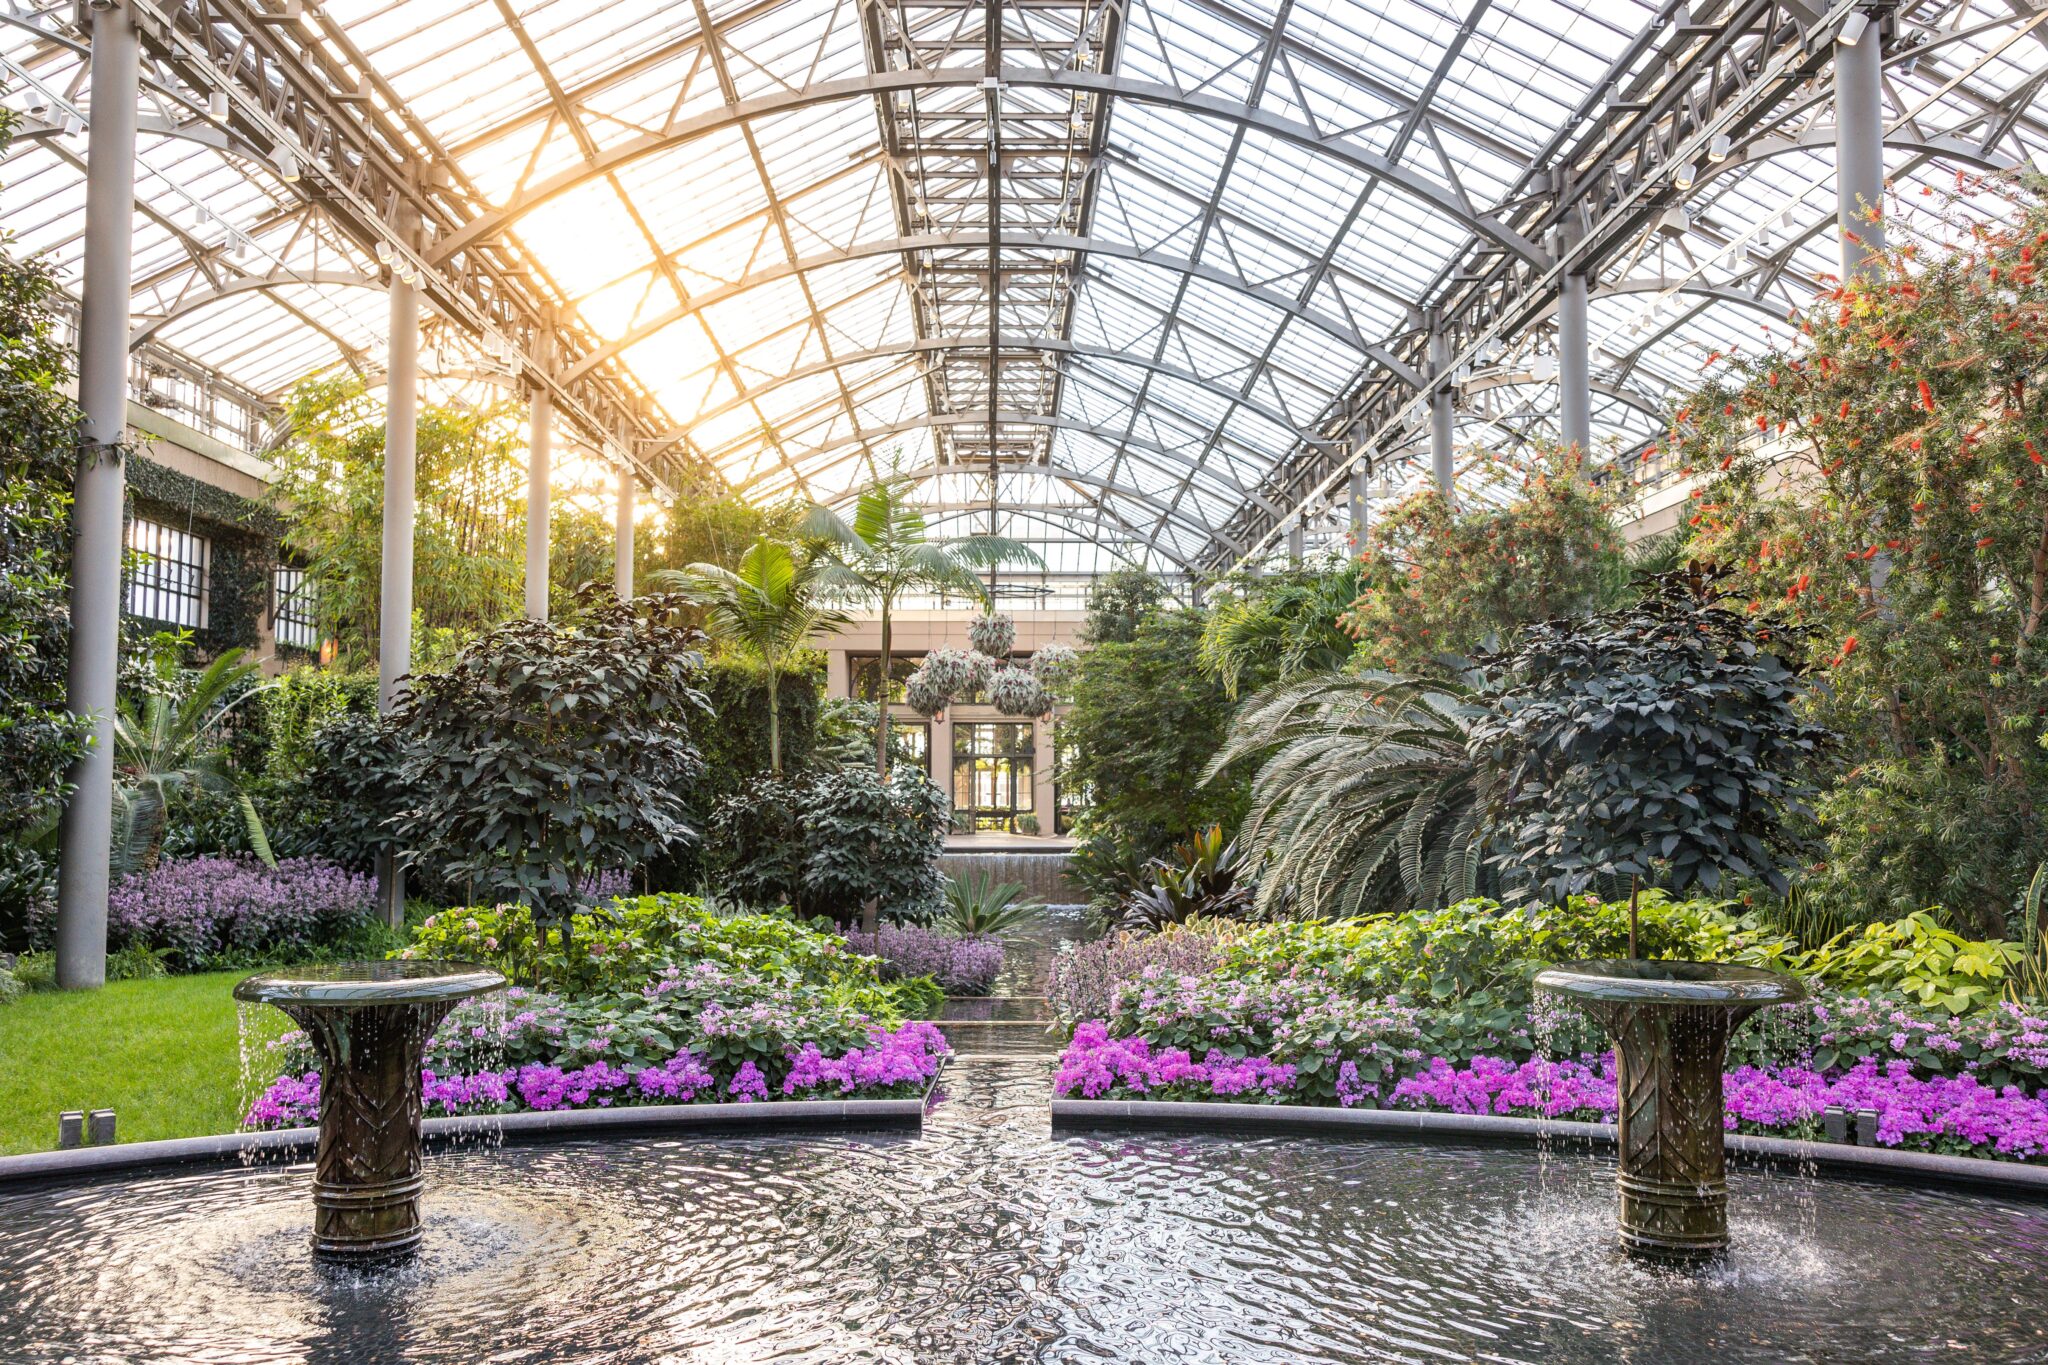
column 175, row 740
column 982, row 905
column 1365, row 798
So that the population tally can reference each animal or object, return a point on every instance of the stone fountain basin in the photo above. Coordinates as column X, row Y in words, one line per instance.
column 395, row 981
column 1634, row 981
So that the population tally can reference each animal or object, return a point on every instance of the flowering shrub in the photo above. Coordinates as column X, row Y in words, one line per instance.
column 961, row 964
column 887, row 1062
column 2004, row 1045
column 1303, row 1022
column 206, row 907
column 1085, row 979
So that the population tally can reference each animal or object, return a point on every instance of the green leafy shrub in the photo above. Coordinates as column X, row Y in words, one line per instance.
column 871, row 839
column 1921, row 961
column 11, row 988
column 554, row 751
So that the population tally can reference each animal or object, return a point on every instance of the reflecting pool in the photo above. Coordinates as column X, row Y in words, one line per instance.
column 989, row 1238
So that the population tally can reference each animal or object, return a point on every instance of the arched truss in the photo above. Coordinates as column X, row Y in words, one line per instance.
column 865, row 436
column 1336, row 329
column 1350, row 152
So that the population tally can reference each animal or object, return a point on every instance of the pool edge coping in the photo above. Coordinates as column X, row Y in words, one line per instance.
column 855, row 1115
column 1329, row 1120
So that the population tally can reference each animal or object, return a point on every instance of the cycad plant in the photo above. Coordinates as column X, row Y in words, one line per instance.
column 767, row 612
column 1364, row 799
column 885, row 552
column 1278, row 629
column 175, row 740
column 979, row 904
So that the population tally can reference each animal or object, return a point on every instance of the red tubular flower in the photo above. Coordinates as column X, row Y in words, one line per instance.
column 1926, row 396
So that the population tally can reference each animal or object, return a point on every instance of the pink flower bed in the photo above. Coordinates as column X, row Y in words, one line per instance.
column 1954, row 1114
column 894, row 1059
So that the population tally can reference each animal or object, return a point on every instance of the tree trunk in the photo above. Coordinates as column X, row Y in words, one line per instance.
column 882, row 704
column 774, row 723
column 1635, row 898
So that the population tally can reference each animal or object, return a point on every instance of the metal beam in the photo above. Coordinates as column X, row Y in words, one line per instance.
column 972, row 240
column 1344, row 150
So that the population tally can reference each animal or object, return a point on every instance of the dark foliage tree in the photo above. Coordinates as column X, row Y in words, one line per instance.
column 1117, row 603
column 874, row 841
column 1144, row 723
column 1660, row 743
column 555, row 750
column 38, row 443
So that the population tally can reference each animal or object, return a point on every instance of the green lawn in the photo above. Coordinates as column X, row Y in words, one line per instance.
column 164, row 1055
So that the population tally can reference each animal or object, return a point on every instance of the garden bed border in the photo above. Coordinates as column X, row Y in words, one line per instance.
column 1882, row 1163
column 296, row 1144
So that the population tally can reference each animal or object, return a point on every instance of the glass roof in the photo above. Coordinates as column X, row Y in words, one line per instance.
column 774, row 223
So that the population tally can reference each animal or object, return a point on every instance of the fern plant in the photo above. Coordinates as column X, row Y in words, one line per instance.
column 175, row 739
column 1365, row 799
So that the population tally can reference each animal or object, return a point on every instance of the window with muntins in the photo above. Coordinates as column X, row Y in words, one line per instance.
column 169, row 580
column 291, row 608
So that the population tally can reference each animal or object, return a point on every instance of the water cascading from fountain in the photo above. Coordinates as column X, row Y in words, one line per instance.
column 369, row 1023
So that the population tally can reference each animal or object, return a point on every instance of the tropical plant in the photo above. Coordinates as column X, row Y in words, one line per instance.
column 1876, row 472
column 174, row 740
column 2030, row 975
column 1660, row 743
column 1365, row 798
column 945, row 676
column 1143, row 724
column 1054, row 665
column 872, row 843
column 39, row 738
column 1118, row 603
column 1260, row 631
column 885, row 552
column 979, row 904
column 1205, row 877
column 554, row 751
column 1438, row 579
column 993, row 635
column 1015, row 692
column 767, row 610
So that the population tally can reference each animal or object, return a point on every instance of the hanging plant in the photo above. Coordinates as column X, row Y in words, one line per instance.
column 923, row 693
column 1054, row 666
column 1016, row 693
column 948, row 675
column 993, row 635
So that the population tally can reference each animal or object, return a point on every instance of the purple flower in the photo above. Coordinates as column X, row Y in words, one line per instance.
column 961, row 966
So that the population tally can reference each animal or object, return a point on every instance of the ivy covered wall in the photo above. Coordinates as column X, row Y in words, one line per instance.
column 244, row 535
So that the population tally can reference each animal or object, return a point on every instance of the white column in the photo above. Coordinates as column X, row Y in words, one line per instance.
column 539, row 456
column 401, row 459
column 1859, row 143
column 86, row 834
column 622, row 536
column 1574, row 366
column 1441, row 418
column 1297, row 537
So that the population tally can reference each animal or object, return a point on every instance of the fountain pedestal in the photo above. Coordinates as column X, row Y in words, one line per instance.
column 369, row 1022
column 1670, row 1023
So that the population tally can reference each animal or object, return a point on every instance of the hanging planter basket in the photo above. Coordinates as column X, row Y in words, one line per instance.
column 1054, row 666
column 992, row 635
column 1016, row 693
column 924, row 694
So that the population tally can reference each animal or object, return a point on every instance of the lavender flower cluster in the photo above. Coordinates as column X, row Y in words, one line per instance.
column 204, row 906
column 1086, row 979
column 893, row 1061
column 962, row 965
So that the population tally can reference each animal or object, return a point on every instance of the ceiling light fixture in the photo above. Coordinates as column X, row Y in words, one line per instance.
column 1718, row 149
column 1853, row 29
